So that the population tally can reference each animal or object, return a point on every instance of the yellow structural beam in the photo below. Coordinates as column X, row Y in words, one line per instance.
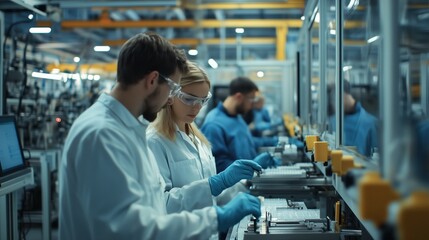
column 192, row 5
column 206, row 41
column 210, row 23
column 84, row 68
column 232, row 6
column 245, row 23
column 281, row 33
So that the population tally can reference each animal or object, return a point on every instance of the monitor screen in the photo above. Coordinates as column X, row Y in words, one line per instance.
column 10, row 149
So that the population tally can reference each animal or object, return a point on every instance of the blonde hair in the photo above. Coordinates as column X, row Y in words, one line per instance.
column 164, row 122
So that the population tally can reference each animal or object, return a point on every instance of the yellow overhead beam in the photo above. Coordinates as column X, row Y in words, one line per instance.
column 191, row 5
column 246, row 23
column 84, row 68
column 206, row 41
column 418, row 6
column 233, row 6
column 281, row 33
column 258, row 23
column 230, row 23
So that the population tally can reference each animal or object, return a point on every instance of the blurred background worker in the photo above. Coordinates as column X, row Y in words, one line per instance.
column 228, row 133
column 259, row 119
column 360, row 127
column 110, row 185
column 264, row 129
column 183, row 153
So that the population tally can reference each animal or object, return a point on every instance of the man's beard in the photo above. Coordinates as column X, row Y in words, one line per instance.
column 150, row 112
column 150, row 115
column 240, row 109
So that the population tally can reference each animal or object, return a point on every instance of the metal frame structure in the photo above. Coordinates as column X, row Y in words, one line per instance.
column 339, row 115
column 389, row 24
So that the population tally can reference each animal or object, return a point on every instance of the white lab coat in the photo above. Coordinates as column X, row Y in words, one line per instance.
column 181, row 163
column 110, row 186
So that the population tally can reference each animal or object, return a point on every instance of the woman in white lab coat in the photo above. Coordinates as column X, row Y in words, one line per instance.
column 182, row 152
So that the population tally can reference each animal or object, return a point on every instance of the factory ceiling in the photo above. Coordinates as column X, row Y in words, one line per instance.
column 271, row 27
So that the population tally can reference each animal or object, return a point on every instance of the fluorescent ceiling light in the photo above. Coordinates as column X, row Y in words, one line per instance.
column 260, row 74
column 47, row 76
column 346, row 68
column 101, row 48
column 352, row 4
column 239, row 30
column 40, row 30
column 193, row 52
column 76, row 59
column 373, row 39
column 332, row 32
column 213, row 63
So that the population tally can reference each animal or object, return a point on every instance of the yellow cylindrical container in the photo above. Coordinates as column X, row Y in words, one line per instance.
column 346, row 164
column 309, row 141
column 320, row 151
column 375, row 194
column 337, row 216
column 336, row 156
column 413, row 216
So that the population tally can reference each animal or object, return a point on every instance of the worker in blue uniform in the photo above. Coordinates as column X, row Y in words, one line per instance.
column 261, row 121
column 228, row 133
column 360, row 127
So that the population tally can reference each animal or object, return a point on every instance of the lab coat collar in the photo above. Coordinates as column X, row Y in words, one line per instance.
column 187, row 139
column 121, row 111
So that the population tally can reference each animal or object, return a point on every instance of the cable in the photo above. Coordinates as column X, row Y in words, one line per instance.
column 8, row 32
column 24, row 82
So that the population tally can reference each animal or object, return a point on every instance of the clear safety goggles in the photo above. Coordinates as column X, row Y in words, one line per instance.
column 174, row 87
column 192, row 100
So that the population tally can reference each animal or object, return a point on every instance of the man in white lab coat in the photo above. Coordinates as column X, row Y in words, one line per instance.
column 110, row 186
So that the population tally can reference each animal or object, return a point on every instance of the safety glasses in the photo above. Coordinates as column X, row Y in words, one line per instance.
column 192, row 100
column 174, row 87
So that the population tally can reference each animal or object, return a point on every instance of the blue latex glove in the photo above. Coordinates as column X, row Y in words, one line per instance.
column 239, row 169
column 266, row 160
column 239, row 207
column 296, row 142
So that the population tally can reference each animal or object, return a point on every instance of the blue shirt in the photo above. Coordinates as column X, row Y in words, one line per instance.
column 360, row 130
column 230, row 137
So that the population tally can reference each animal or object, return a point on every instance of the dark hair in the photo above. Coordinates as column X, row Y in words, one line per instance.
column 147, row 52
column 242, row 85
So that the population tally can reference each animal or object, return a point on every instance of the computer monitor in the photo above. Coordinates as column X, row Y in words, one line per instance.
column 11, row 157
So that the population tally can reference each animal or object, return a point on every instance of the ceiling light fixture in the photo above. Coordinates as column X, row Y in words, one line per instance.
column 373, row 39
column 47, row 76
column 346, row 68
column 101, row 48
column 239, row 30
column 40, row 30
column 213, row 63
column 193, row 52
